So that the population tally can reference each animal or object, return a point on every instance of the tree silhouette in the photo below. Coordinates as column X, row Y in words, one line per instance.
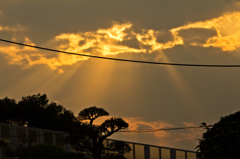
column 222, row 141
column 89, row 137
column 9, row 112
column 36, row 111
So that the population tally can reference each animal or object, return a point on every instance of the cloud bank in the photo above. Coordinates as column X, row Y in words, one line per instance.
column 119, row 38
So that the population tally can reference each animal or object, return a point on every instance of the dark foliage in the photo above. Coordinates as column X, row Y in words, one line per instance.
column 25, row 151
column 3, row 143
column 114, row 156
column 222, row 141
column 73, row 155
column 89, row 137
column 119, row 146
column 46, row 151
column 9, row 112
column 20, row 150
column 36, row 111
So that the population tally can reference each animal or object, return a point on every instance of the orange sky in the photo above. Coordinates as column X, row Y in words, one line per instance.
column 146, row 96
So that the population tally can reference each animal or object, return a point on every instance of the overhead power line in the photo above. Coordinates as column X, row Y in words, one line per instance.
column 117, row 59
column 166, row 129
column 123, row 131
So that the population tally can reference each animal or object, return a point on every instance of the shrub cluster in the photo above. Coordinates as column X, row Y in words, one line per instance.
column 49, row 151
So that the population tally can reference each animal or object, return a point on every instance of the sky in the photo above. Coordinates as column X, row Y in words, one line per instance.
column 146, row 96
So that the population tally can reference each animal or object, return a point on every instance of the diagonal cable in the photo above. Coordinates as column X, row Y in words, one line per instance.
column 166, row 129
column 117, row 59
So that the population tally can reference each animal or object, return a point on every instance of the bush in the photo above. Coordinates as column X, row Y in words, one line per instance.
column 73, row 155
column 46, row 151
column 3, row 143
column 114, row 156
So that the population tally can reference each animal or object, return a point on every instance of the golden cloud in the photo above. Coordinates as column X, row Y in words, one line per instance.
column 227, row 28
column 135, row 123
column 149, row 38
column 191, row 134
column 227, row 37
column 116, row 32
column 139, row 123
column 102, row 41
column 115, row 40
column 30, row 56
column 166, row 138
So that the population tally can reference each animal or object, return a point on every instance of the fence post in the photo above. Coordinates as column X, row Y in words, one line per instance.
column 173, row 153
column 146, row 152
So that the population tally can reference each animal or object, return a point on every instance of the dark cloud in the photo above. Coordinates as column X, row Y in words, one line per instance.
column 46, row 19
column 198, row 36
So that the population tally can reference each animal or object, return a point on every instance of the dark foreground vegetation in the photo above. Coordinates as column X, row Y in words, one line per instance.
column 222, row 140
column 36, row 111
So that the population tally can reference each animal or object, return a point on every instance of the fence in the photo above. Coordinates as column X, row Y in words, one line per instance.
column 13, row 135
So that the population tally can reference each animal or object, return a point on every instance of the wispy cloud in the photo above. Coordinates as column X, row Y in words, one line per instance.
column 167, row 138
column 162, row 138
column 13, row 29
column 139, row 123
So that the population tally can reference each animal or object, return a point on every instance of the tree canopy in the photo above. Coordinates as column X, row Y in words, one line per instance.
column 36, row 111
column 89, row 137
column 222, row 141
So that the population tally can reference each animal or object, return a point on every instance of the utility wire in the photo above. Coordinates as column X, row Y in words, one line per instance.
column 123, row 131
column 117, row 59
column 168, row 129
